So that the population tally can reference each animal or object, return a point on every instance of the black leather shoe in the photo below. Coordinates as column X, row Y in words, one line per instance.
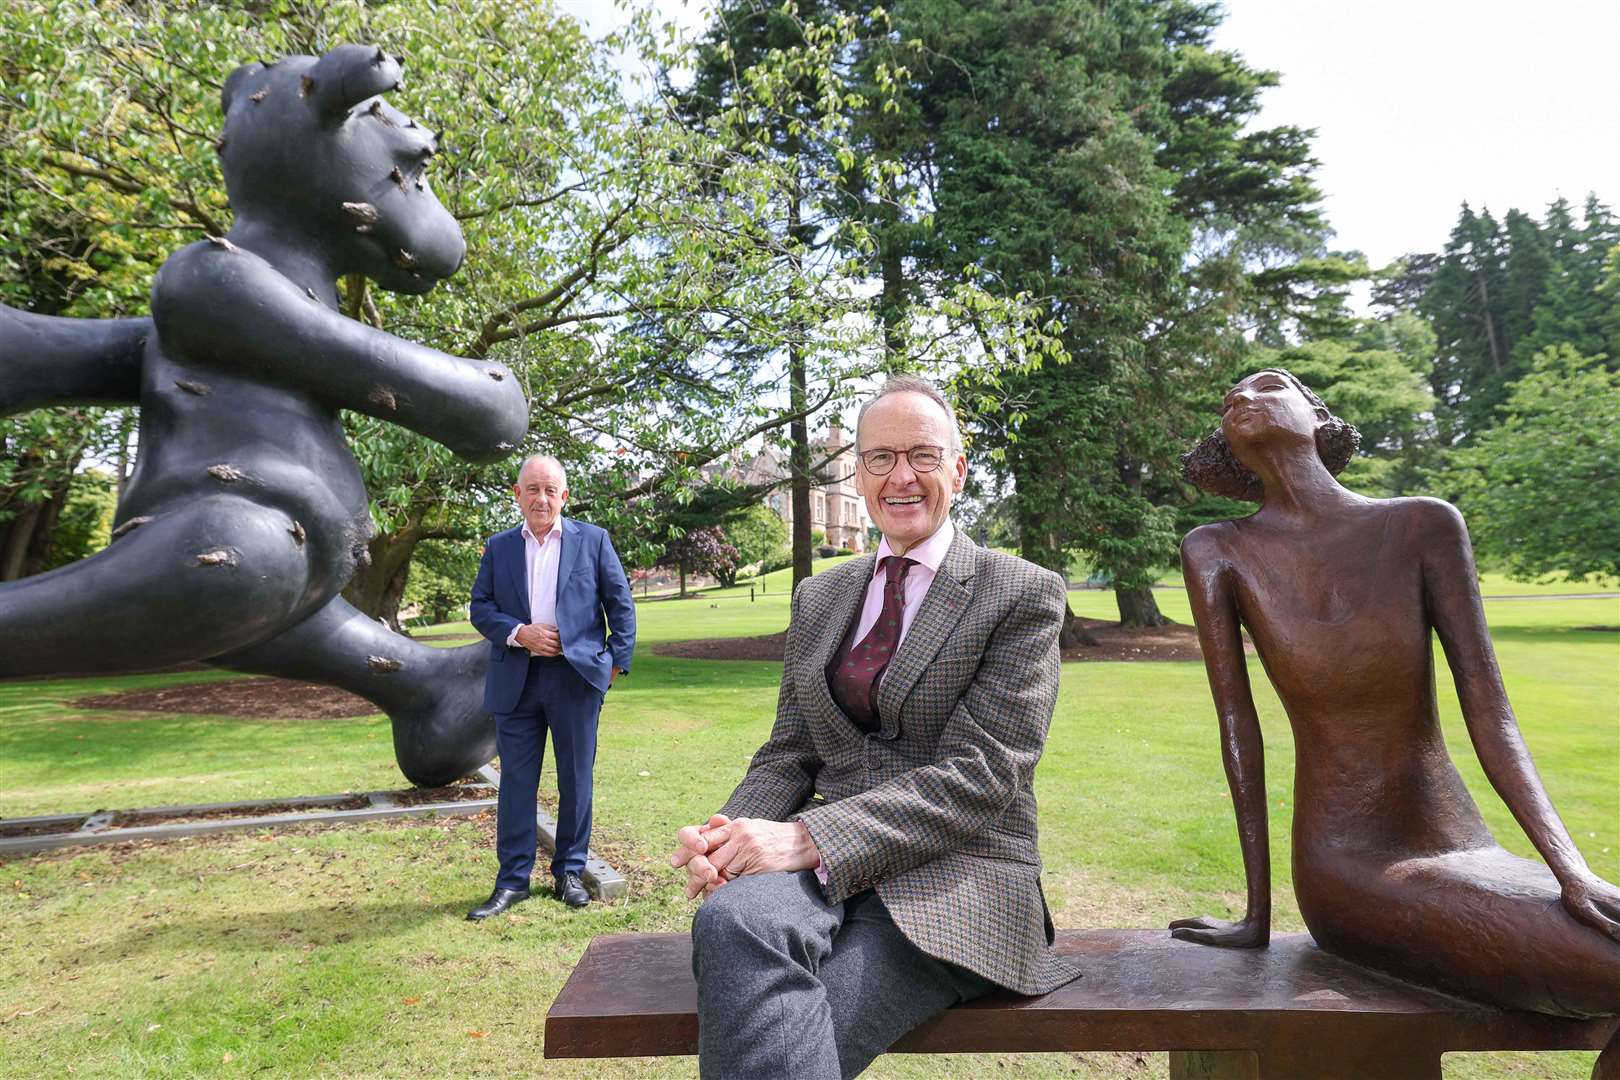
column 571, row 891
column 498, row 901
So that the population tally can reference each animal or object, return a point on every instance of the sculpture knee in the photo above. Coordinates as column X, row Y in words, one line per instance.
column 218, row 573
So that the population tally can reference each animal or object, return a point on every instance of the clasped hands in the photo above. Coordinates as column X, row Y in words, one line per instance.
column 723, row 849
column 540, row 639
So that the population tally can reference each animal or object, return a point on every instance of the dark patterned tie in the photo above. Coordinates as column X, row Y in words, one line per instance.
column 853, row 675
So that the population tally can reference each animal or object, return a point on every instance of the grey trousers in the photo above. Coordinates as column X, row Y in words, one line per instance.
column 792, row 986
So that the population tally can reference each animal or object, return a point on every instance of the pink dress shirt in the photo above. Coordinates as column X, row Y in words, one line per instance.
column 540, row 559
column 927, row 555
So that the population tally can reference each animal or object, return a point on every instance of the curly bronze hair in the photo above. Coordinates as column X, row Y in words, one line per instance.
column 1212, row 466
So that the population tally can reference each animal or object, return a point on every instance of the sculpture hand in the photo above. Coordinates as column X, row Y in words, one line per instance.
column 1595, row 902
column 1243, row 934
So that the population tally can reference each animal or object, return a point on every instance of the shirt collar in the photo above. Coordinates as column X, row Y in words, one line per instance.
column 930, row 553
column 556, row 530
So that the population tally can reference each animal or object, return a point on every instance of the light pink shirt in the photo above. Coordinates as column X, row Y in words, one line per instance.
column 540, row 559
column 928, row 555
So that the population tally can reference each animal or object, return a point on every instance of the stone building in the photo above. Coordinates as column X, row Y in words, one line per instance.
column 835, row 507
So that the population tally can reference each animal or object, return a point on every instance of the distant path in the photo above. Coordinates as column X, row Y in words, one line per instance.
column 1561, row 596
column 1080, row 587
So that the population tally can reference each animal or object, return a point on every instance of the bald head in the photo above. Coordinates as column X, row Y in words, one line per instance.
column 541, row 490
column 546, row 461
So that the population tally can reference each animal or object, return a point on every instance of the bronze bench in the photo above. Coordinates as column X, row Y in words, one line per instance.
column 1287, row 1011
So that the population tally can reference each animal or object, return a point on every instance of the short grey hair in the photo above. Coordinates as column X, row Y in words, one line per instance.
column 911, row 384
column 543, row 459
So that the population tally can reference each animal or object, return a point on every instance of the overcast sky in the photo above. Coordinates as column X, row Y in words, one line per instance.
column 1419, row 104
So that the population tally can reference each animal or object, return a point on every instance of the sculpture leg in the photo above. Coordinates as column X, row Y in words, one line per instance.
column 434, row 697
column 215, row 575
column 1607, row 1066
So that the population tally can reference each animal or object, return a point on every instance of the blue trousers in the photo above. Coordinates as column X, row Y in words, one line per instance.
column 556, row 699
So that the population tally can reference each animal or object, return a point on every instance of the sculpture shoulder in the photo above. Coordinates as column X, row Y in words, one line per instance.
column 209, row 278
column 1208, row 544
column 1430, row 515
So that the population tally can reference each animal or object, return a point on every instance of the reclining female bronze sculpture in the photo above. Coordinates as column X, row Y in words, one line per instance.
column 1393, row 866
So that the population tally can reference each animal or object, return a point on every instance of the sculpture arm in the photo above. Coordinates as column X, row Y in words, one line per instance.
column 1451, row 595
column 228, row 308
column 45, row 360
column 1209, row 588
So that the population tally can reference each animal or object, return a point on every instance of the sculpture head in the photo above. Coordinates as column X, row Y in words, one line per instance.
column 311, row 151
column 1269, row 410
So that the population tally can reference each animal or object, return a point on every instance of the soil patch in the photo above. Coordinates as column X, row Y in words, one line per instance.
column 446, row 637
column 275, row 699
column 763, row 647
column 127, row 820
column 449, row 793
column 1176, row 641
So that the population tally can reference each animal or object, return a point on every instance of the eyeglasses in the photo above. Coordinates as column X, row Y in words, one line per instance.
column 923, row 459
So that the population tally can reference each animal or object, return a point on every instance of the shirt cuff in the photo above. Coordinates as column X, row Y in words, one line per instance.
column 511, row 639
column 821, row 872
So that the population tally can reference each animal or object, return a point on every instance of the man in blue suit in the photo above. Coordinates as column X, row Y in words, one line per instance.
column 546, row 591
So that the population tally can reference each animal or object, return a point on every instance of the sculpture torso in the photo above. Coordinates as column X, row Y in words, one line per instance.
column 1343, row 631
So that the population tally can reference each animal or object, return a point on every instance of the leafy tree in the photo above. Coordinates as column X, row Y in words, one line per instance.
column 1096, row 156
column 1538, row 488
column 1374, row 378
column 1500, row 294
column 441, row 578
column 702, row 551
column 619, row 257
column 758, row 534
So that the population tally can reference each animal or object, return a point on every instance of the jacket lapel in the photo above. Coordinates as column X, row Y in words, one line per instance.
column 512, row 561
column 569, row 554
column 941, row 609
column 839, row 611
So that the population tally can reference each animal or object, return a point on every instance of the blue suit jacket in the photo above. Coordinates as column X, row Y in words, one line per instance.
column 593, row 597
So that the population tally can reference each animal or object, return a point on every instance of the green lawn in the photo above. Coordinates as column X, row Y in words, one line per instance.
column 344, row 953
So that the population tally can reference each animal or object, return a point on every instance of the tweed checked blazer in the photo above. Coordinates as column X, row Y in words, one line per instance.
column 936, row 809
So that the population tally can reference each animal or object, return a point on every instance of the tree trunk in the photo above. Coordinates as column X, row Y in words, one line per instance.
column 38, row 552
column 378, row 586
column 15, row 537
column 680, row 569
column 1074, row 631
column 892, row 301
column 798, row 432
column 1137, row 607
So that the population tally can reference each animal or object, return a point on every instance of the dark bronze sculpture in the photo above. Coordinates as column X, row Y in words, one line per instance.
column 1393, row 865
column 246, row 513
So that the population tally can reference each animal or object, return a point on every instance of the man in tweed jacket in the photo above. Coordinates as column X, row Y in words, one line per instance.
column 878, row 862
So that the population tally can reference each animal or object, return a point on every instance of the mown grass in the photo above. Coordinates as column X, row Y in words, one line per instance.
column 344, row 952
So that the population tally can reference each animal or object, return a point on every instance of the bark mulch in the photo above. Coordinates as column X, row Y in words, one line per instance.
column 1176, row 641
column 275, row 699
